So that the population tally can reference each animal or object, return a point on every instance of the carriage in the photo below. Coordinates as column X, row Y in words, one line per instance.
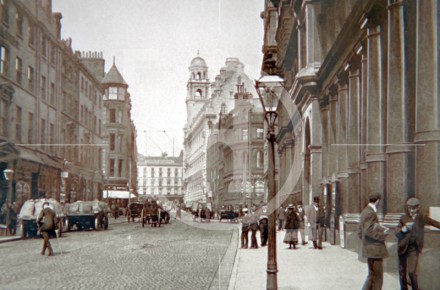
column 154, row 214
column 84, row 215
column 29, row 214
column 229, row 215
column 201, row 212
column 135, row 211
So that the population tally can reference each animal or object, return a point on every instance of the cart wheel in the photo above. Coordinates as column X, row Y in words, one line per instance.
column 97, row 225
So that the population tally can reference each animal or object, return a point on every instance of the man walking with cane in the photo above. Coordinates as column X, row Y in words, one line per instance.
column 46, row 222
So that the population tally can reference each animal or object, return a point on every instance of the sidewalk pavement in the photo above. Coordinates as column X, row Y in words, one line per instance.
column 304, row 268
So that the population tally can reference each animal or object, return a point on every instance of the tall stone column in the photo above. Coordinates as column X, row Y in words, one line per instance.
column 400, row 170
column 324, row 106
column 375, row 155
column 427, row 127
column 333, row 119
column 316, row 148
column 289, row 143
column 341, row 140
column 353, row 148
column 363, row 133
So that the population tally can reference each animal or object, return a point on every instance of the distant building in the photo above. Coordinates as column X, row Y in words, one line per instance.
column 235, row 159
column 120, row 164
column 160, row 177
column 205, row 103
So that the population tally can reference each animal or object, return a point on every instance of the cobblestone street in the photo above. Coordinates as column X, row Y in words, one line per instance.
column 127, row 256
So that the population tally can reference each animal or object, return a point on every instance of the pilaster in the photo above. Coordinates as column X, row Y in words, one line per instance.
column 353, row 148
column 427, row 127
column 399, row 169
column 375, row 156
column 313, row 39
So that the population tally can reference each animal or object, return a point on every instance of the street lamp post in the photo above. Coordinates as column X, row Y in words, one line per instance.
column 269, row 89
column 8, row 173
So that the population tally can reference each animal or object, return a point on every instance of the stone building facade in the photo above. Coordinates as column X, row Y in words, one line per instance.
column 120, row 166
column 160, row 177
column 207, row 105
column 52, row 108
column 51, row 120
column 235, row 162
column 361, row 113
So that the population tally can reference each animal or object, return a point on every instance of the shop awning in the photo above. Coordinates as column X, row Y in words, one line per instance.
column 122, row 194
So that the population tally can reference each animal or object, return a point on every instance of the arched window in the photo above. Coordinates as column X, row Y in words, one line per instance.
column 199, row 93
column 199, row 76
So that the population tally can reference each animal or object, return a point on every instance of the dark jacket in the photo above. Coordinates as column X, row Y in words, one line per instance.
column 47, row 219
column 416, row 234
column 291, row 220
column 372, row 235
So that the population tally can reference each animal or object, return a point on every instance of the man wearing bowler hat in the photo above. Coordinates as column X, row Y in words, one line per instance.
column 315, row 221
column 410, row 240
column 373, row 236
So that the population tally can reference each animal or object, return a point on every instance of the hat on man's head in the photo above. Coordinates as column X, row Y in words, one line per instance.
column 245, row 209
column 413, row 201
column 290, row 206
column 316, row 199
column 44, row 203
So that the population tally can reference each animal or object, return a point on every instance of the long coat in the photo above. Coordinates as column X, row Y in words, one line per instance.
column 316, row 218
column 372, row 235
column 291, row 220
column 417, row 232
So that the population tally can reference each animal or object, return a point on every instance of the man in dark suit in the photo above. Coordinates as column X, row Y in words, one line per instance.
column 372, row 236
column 316, row 222
column 47, row 221
column 410, row 240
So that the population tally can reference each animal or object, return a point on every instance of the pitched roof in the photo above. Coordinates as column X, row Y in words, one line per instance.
column 113, row 76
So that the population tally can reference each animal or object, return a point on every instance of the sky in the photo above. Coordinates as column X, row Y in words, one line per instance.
column 153, row 43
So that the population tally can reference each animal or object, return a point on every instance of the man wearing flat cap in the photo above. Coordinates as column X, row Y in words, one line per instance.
column 373, row 236
column 410, row 240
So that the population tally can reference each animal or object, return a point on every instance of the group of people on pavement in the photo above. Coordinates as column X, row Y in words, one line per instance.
column 253, row 221
column 410, row 239
column 295, row 219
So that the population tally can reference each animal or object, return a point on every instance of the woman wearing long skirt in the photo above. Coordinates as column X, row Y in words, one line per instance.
column 291, row 227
